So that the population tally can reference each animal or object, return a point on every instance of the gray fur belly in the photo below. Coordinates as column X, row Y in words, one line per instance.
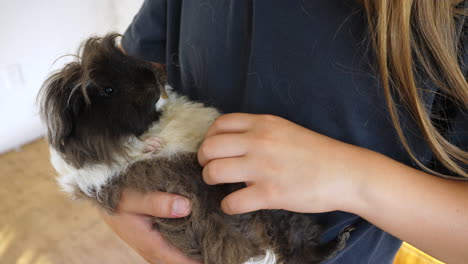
column 210, row 235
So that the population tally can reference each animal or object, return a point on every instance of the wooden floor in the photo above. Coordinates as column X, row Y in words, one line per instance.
column 40, row 225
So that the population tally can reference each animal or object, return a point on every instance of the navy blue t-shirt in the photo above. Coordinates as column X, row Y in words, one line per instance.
column 310, row 62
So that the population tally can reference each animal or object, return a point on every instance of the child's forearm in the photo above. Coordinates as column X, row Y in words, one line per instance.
column 429, row 212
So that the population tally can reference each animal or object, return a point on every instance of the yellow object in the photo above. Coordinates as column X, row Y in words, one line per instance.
column 411, row 255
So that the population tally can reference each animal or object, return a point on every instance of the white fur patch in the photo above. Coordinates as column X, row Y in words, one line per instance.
column 88, row 179
column 269, row 258
column 160, row 103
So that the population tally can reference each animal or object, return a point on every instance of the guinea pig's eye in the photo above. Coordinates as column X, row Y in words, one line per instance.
column 108, row 90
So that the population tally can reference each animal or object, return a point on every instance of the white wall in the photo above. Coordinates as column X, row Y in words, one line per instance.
column 33, row 34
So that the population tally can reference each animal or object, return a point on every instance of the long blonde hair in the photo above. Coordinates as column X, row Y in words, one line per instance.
column 406, row 33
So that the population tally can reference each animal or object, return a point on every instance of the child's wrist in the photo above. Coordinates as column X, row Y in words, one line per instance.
column 362, row 170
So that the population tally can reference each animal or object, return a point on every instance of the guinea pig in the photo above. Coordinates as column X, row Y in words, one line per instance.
column 113, row 123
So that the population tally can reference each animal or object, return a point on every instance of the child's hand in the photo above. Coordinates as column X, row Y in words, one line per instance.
column 285, row 166
column 132, row 223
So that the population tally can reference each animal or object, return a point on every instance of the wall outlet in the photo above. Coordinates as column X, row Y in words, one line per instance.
column 11, row 77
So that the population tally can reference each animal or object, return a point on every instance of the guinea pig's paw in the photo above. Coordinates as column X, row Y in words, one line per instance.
column 152, row 144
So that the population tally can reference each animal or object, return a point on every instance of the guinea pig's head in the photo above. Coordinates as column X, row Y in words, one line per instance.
column 94, row 104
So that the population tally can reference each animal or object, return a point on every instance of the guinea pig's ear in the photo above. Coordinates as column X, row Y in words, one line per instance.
column 75, row 103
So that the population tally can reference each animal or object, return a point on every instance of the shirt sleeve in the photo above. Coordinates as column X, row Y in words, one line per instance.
column 145, row 38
